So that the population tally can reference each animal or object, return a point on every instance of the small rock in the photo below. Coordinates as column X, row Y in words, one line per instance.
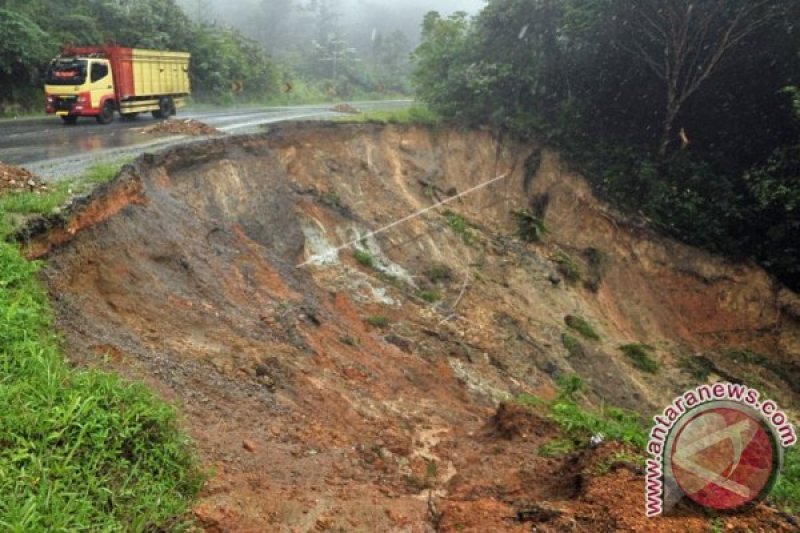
column 554, row 278
column 249, row 445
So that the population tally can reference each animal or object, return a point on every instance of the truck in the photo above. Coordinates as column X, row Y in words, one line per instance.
column 97, row 81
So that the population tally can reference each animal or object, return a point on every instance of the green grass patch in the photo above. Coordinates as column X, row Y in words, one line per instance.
column 557, row 448
column 698, row 367
column 572, row 345
column 580, row 424
column 582, row 327
column 786, row 494
column 640, row 355
column 460, row 226
column 430, row 296
column 364, row 258
column 530, row 227
column 378, row 321
column 415, row 115
column 567, row 266
column 15, row 207
column 350, row 341
column 439, row 273
column 79, row 450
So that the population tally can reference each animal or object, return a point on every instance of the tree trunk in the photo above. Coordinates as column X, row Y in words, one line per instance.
column 673, row 106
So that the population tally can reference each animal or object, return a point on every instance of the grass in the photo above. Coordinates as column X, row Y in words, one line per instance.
column 439, row 273
column 430, row 296
column 79, row 449
column 579, row 424
column 414, row 115
column 639, row 354
column 459, row 226
column 572, row 345
column 567, row 266
column 364, row 258
column 19, row 205
column 530, row 227
column 698, row 367
column 596, row 260
column 786, row 494
column 557, row 448
column 378, row 321
column 582, row 327
column 350, row 341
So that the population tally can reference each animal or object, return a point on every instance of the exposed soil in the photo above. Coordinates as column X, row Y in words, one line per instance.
column 14, row 178
column 330, row 394
column 181, row 126
column 345, row 108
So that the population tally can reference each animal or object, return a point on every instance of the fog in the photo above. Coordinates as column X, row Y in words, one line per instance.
column 283, row 26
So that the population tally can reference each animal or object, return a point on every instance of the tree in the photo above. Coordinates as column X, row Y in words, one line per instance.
column 684, row 43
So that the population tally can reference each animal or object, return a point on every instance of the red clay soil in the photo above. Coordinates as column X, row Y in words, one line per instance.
column 17, row 179
column 330, row 394
column 181, row 126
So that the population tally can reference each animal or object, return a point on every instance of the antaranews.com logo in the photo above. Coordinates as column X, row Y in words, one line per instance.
column 718, row 445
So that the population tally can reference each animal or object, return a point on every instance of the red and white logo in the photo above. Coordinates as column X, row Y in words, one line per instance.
column 724, row 457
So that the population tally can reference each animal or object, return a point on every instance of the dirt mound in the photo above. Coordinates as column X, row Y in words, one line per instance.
column 345, row 108
column 181, row 126
column 355, row 387
column 14, row 178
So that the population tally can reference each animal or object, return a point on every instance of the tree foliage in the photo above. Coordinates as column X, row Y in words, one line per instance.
column 677, row 110
column 34, row 30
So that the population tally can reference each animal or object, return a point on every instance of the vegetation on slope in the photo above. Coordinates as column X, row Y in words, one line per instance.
column 79, row 449
column 700, row 141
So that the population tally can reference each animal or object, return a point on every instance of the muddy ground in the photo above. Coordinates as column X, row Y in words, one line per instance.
column 334, row 391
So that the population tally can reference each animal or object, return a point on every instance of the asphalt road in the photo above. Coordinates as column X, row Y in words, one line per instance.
column 49, row 148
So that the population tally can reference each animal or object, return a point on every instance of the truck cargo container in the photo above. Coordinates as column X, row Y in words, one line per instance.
column 96, row 81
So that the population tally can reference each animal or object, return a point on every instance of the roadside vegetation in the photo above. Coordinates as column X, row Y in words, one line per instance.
column 693, row 135
column 416, row 115
column 16, row 207
column 79, row 449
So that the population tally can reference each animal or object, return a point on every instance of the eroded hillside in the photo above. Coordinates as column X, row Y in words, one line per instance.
column 356, row 388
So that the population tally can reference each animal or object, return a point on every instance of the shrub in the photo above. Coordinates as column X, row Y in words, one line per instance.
column 378, row 321
column 459, row 226
column 430, row 296
column 364, row 258
column 639, row 354
column 581, row 326
column 567, row 266
column 530, row 227
column 572, row 345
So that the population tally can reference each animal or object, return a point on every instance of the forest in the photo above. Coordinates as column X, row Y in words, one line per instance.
column 684, row 113
column 268, row 51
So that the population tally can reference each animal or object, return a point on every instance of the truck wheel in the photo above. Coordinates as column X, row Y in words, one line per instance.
column 165, row 107
column 70, row 119
column 129, row 116
column 106, row 116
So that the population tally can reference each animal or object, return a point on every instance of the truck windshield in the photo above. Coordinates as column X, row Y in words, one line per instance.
column 66, row 72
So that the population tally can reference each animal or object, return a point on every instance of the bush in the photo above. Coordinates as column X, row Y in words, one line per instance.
column 364, row 258
column 567, row 266
column 581, row 326
column 378, row 321
column 639, row 354
column 572, row 345
column 530, row 227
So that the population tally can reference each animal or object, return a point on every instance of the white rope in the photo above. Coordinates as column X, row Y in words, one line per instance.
column 405, row 219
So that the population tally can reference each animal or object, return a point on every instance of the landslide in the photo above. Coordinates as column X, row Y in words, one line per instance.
column 335, row 390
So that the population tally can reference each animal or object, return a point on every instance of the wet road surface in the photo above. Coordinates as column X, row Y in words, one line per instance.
column 53, row 150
